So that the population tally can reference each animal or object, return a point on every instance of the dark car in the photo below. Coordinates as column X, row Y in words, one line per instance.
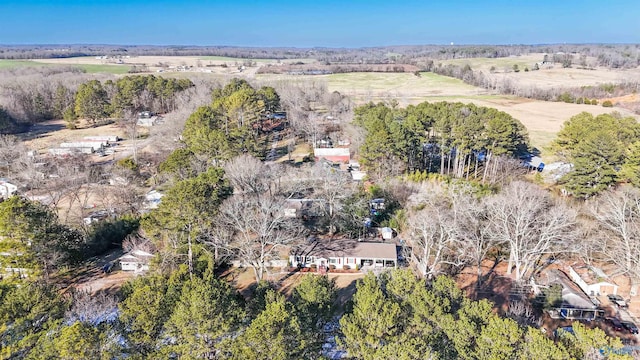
column 615, row 324
column 617, row 300
column 629, row 326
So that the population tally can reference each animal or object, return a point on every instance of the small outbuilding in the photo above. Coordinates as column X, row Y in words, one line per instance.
column 135, row 260
column 7, row 189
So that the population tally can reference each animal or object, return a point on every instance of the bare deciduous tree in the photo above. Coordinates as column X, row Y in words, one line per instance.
column 332, row 186
column 472, row 226
column 92, row 308
column 531, row 224
column 434, row 235
column 618, row 216
column 261, row 229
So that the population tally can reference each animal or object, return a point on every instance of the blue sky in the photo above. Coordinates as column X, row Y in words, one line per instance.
column 328, row 23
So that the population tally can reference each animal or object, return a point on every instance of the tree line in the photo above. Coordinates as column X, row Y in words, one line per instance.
column 578, row 95
column 460, row 140
column 608, row 55
column 178, row 315
column 93, row 100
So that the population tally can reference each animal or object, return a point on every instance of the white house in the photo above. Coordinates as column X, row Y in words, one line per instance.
column 345, row 253
column 7, row 189
column 135, row 260
column 592, row 280
column 339, row 155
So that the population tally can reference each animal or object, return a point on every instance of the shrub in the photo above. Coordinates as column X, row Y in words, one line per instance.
column 579, row 101
column 128, row 163
column 594, row 102
column 332, row 267
column 607, row 103
column 587, row 101
column 313, row 267
column 345, row 267
column 566, row 97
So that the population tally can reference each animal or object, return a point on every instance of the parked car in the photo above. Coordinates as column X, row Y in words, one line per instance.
column 629, row 326
column 617, row 300
column 615, row 324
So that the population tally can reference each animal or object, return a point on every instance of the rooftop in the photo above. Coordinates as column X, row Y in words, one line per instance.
column 348, row 248
column 591, row 274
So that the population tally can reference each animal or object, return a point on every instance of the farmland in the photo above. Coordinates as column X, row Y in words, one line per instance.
column 549, row 75
column 543, row 119
column 86, row 67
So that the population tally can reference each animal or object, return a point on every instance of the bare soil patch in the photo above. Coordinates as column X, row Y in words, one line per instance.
column 91, row 278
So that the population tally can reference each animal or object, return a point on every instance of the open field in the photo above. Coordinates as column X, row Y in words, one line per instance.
column 543, row 119
column 553, row 75
column 11, row 64
column 501, row 63
column 208, row 64
column 89, row 68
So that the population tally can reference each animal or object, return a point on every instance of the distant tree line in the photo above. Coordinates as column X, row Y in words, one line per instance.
column 578, row 95
column 608, row 55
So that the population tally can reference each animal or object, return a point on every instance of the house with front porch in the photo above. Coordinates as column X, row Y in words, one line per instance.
column 345, row 254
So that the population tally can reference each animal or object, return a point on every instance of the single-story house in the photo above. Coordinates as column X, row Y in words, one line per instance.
column 341, row 253
column 108, row 138
column 7, row 189
column 575, row 303
column 339, row 155
column 592, row 280
column 135, row 260
column 95, row 145
column 302, row 208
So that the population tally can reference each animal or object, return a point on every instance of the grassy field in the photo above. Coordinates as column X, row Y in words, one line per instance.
column 503, row 63
column 553, row 75
column 542, row 119
column 11, row 64
column 240, row 60
column 89, row 68
column 101, row 68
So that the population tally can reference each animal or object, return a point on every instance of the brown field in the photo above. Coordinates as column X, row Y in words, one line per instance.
column 549, row 75
column 204, row 64
column 543, row 119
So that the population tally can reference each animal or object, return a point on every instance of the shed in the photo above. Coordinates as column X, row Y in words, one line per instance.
column 135, row 260
column 7, row 189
